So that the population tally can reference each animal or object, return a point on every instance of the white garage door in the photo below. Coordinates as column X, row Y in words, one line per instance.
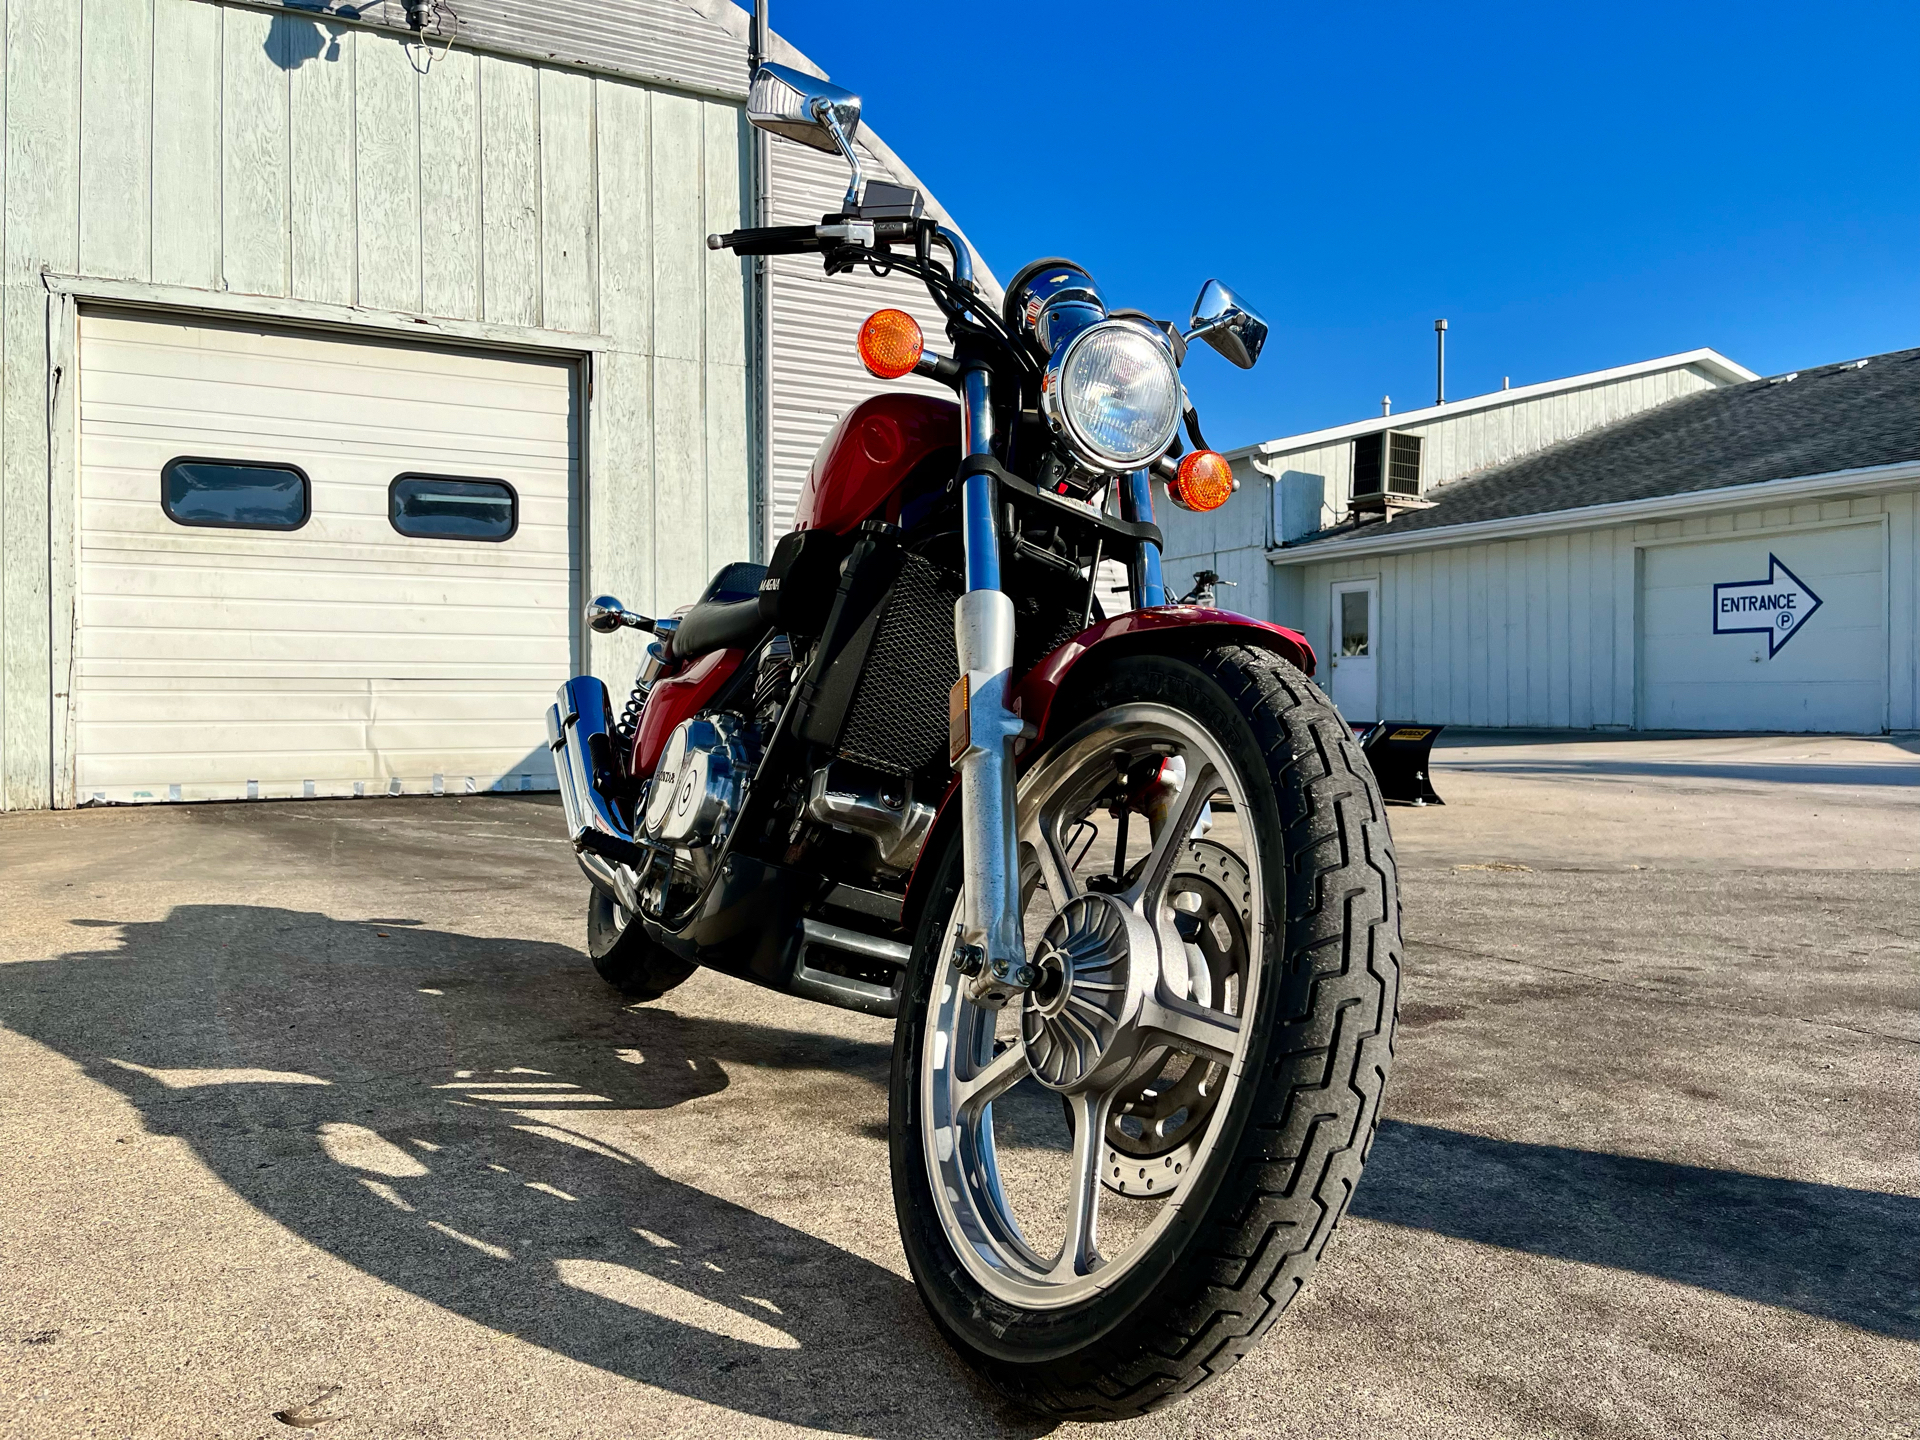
column 253, row 621
column 1780, row 632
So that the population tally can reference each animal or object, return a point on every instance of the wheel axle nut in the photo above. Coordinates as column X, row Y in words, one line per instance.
column 1019, row 973
column 969, row 960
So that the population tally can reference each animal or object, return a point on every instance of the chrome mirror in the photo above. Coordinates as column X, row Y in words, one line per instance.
column 1229, row 325
column 804, row 108
column 606, row 615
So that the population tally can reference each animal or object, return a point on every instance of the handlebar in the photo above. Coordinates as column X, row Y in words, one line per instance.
column 847, row 240
column 769, row 240
column 833, row 233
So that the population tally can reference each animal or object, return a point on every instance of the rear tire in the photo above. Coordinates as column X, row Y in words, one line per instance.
column 625, row 957
column 1293, row 1132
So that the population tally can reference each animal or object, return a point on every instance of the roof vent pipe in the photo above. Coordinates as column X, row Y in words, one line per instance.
column 1440, row 362
column 1386, row 404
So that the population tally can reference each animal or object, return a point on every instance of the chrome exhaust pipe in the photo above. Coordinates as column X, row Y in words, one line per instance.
column 580, row 733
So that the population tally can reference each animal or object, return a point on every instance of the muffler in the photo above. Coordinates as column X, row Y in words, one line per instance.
column 580, row 733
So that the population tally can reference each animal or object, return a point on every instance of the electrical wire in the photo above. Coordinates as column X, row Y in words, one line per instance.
column 422, row 13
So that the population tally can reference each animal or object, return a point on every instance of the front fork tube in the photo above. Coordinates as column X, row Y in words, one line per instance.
column 983, row 629
column 1136, row 506
column 983, row 637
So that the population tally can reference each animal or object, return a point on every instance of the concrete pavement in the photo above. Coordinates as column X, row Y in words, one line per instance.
column 316, row 1110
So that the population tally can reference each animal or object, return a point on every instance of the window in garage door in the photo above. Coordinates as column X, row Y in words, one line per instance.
column 366, row 651
column 1829, row 675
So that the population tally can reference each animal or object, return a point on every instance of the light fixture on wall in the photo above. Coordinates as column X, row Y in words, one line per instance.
column 429, row 19
column 424, row 15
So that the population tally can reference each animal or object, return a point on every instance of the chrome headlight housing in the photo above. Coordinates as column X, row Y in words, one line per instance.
column 1113, row 395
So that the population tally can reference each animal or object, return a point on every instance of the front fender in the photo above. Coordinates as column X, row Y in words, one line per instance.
column 1135, row 631
column 1139, row 630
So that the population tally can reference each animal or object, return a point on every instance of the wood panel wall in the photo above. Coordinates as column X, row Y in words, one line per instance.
column 183, row 143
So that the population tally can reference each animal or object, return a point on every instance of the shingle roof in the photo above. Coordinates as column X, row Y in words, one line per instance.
column 1838, row 417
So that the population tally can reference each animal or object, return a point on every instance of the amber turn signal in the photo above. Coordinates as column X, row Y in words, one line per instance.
column 1204, row 481
column 891, row 343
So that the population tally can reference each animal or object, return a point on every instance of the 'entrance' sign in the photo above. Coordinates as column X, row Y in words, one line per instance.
column 1778, row 606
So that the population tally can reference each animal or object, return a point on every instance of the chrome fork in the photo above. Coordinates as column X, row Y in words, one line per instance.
column 992, row 942
column 995, row 949
column 992, row 946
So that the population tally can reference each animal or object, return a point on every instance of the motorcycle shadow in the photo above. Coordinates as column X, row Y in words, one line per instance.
column 449, row 1115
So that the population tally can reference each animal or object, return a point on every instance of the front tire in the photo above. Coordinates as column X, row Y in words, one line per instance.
column 1295, row 1094
column 625, row 957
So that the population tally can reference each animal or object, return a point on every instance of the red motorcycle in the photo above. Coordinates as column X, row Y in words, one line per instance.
column 1123, row 883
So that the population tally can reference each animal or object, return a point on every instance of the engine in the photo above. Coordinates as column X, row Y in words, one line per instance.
column 698, row 786
column 882, row 808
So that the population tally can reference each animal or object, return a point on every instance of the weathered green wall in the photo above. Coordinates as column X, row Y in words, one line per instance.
column 182, row 143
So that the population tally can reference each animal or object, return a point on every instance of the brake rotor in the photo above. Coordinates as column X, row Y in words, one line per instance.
column 1157, row 1120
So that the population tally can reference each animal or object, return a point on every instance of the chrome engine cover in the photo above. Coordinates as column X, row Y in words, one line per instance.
column 697, row 786
column 880, row 808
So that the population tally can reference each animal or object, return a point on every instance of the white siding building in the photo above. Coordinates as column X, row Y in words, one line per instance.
column 1302, row 484
column 414, row 295
column 1597, row 553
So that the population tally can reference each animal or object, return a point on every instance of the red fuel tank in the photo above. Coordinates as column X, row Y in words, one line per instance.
column 867, row 456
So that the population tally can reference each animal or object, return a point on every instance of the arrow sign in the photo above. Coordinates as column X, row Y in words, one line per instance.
column 1777, row 606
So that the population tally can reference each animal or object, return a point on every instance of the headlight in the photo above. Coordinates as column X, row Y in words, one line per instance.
column 1113, row 395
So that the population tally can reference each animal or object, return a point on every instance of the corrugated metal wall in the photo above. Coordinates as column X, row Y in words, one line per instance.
column 816, row 373
column 200, row 147
column 649, row 39
column 1539, row 632
column 658, row 40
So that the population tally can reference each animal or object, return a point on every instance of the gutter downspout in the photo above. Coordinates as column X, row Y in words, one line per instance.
column 760, row 304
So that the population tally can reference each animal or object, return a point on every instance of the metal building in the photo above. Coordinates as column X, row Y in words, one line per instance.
column 1719, row 552
column 338, row 362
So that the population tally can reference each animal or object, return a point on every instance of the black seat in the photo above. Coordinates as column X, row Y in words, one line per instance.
column 738, row 581
column 726, row 616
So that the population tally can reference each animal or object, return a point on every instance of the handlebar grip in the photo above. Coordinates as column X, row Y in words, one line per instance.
column 768, row 240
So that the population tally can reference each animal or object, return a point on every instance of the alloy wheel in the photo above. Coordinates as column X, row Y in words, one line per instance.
column 1063, row 1130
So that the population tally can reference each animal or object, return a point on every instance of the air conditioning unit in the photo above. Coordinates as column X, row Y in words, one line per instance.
column 1386, row 473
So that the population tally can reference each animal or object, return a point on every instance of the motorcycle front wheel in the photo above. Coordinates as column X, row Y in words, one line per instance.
column 1110, row 1189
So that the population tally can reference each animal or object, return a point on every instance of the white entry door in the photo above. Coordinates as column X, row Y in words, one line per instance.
column 314, row 564
column 1355, row 686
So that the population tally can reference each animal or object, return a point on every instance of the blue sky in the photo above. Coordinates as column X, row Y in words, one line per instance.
column 1572, row 187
